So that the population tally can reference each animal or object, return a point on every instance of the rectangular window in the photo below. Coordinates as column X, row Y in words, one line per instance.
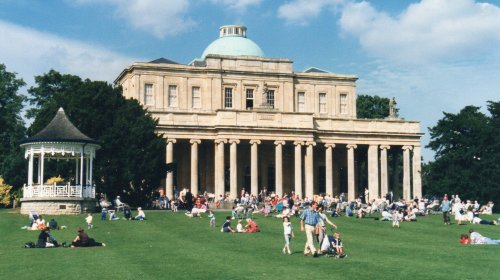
column 249, row 98
column 322, row 102
column 172, row 96
column 270, row 98
column 228, row 98
column 301, row 102
column 148, row 94
column 343, row 103
column 196, row 97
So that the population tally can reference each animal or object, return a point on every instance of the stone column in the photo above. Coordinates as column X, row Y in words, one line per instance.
column 329, row 168
column 373, row 171
column 309, row 169
column 42, row 159
column 351, row 191
column 220, row 188
column 170, row 175
column 298, row 168
column 279, row 167
column 254, row 185
column 384, row 180
column 233, row 168
column 406, row 172
column 194, row 165
column 417, row 169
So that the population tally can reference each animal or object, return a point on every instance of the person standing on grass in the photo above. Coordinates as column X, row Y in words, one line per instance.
column 288, row 232
column 89, row 221
column 322, row 225
column 211, row 216
column 445, row 208
column 308, row 221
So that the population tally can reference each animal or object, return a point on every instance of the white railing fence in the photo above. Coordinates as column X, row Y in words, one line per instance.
column 58, row 191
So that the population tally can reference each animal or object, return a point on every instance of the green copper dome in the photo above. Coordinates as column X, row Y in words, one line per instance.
column 233, row 41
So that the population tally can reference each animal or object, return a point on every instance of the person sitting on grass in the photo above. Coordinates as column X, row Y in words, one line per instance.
column 239, row 227
column 83, row 240
column 112, row 215
column 44, row 239
column 226, row 227
column 127, row 213
column 140, row 214
column 251, row 226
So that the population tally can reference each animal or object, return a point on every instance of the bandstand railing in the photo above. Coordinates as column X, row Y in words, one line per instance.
column 43, row 191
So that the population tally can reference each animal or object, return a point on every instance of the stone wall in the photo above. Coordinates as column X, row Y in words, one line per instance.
column 57, row 206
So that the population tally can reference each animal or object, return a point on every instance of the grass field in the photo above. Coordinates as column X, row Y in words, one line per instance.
column 172, row 246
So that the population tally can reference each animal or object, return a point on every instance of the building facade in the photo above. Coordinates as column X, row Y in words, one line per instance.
column 236, row 119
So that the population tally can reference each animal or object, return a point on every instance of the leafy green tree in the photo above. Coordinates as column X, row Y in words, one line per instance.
column 467, row 155
column 131, row 161
column 372, row 107
column 12, row 164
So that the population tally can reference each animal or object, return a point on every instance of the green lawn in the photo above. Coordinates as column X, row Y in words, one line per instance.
column 172, row 246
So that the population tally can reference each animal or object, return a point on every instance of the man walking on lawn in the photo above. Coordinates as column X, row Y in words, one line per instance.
column 308, row 221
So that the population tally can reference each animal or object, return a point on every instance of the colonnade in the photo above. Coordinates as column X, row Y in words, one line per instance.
column 378, row 182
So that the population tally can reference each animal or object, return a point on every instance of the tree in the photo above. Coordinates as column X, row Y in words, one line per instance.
column 12, row 128
column 131, row 161
column 372, row 107
column 467, row 155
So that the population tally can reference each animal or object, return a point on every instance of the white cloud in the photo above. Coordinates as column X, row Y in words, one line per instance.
column 302, row 11
column 158, row 17
column 30, row 52
column 239, row 6
column 431, row 30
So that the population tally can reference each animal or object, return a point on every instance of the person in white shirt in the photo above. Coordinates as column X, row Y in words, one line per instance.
column 476, row 238
column 288, row 233
column 89, row 221
column 239, row 227
column 140, row 214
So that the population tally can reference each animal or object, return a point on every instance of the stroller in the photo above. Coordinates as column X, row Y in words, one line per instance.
column 329, row 247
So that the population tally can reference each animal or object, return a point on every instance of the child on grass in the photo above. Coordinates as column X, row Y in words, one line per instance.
column 396, row 218
column 211, row 216
column 288, row 232
column 89, row 221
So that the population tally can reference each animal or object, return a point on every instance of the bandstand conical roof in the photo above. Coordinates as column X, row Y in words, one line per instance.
column 60, row 129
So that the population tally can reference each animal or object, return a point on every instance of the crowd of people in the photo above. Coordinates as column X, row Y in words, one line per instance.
column 313, row 214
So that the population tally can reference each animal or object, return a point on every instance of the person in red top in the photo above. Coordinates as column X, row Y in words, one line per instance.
column 251, row 226
column 464, row 239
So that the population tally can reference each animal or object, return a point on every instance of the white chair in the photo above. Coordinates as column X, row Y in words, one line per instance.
column 118, row 204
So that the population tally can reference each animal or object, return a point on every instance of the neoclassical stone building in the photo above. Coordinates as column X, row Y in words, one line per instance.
column 235, row 119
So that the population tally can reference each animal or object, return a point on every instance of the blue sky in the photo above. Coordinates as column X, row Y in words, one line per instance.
column 431, row 55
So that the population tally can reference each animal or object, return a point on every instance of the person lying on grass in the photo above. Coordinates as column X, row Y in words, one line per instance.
column 476, row 238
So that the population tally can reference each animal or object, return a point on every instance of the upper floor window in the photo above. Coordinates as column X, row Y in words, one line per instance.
column 322, row 102
column 148, row 94
column 343, row 103
column 196, row 97
column 301, row 102
column 249, row 98
column 172, row 96
column 228, row 98
column 270, row 98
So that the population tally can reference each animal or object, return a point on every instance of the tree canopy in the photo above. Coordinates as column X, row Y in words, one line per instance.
column 130, row 162
column 467, row 160
column 12, row 128
column 372, row 107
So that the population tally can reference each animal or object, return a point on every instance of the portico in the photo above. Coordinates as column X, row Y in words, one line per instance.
column 236, row 119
